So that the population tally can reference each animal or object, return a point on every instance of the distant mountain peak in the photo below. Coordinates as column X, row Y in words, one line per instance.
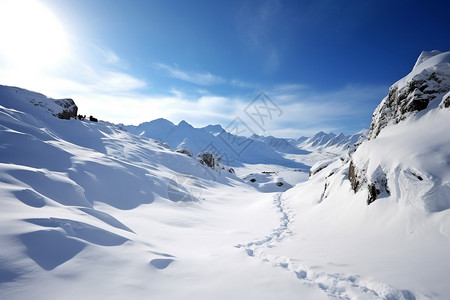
column 213, row 128
column 184, row 124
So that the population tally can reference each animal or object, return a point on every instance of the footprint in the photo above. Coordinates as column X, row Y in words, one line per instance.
column 301, row 274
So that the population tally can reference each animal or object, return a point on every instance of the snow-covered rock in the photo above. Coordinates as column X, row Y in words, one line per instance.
column 20, row 98
column 423, row 88
column 185, row 152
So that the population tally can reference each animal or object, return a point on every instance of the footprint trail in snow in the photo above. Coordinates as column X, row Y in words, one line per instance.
column 335, row 285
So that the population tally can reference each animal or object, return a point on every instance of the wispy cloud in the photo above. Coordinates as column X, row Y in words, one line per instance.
column 109, row 56
column 243, row 84
column 204, row 78
column 199, row 78
column 306, row 111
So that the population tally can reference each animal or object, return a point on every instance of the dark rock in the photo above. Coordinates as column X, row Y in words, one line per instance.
column 92, row 119
column 279, row 183
column 69, row 109
column 353, row 177
column 373, row 193
column 185, row 152
column 253, row 180
column 207, row 158
column 376, row 186
column 446, row 101
column 231, row 170
column 409, row 99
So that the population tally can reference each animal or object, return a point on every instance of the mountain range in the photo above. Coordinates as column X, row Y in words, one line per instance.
column 98, row 210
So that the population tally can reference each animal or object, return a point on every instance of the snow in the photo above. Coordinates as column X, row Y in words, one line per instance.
column 88, row 210
column 93, row 211
column 434, row 61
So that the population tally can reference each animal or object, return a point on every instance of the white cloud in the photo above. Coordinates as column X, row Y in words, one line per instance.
column 306, row 111
column 243, row 84
column 199, row 78
column 101, row 86
column 109, row 56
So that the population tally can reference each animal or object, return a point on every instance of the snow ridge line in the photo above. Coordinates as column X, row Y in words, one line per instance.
column 335, row 285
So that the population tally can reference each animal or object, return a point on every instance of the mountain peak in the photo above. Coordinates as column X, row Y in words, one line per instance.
column 184, row 124
column 160, row 121
column 425, row 55
column 422, row 89
column 213, row 128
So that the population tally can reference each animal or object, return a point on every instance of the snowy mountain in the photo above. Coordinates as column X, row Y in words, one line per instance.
column 280, row 144
column 330, row 141
column 260, row 150
column 234, row 150
column 89, row 210
column 383, row 210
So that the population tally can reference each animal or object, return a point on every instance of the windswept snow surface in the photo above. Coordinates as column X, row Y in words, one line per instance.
column 91, row 211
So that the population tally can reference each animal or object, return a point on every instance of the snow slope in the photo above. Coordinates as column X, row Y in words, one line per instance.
column 90, row 210
column 397, row 246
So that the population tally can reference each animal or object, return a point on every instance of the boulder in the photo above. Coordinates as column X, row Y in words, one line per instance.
column 185, row 152
column 69, row 109
column 208, row 159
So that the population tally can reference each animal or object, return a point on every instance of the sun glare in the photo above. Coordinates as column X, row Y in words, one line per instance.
column 31, row 37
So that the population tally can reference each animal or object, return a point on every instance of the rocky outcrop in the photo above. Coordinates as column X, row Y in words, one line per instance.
column 69, row 109
column 376, row 185
column 208, row 159
column 446, row 101
column 185, row 152
column 214, row 162
column 371, row 166
column 413, row 93
column 353, row 177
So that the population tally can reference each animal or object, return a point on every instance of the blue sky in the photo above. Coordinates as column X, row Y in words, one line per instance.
column 326, row 64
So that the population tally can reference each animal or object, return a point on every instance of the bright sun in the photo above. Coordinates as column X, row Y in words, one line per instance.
column 30, row 35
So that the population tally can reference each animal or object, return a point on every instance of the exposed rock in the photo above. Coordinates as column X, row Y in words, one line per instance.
column 208, row 159
column 446, row 101
column 353, row 177
column 413, row 93
column 185, row 152
column 92, row 119
column 61, row 108
column 69, row 109
column 319, row 166
column 376, row 185
column 413, row 97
